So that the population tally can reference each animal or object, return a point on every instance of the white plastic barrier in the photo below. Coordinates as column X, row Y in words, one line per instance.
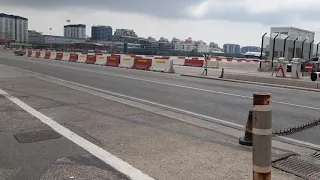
column 82, row 58
column 42, row 54
column 66, row 57
column 53, row 55
column 177, row 61
column 126, row 61
column 101, row 59
column 33, row 54
column 212, row 64
column 162, row 65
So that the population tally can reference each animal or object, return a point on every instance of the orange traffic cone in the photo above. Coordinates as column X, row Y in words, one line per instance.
column 247, row 139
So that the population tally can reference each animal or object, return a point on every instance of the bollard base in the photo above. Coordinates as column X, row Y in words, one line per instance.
column 261, row 176
column 245, row 142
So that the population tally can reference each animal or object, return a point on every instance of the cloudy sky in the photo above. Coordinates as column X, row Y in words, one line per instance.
column 221, row 21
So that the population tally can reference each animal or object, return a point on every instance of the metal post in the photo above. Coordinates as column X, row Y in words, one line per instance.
column 274, row 43
column 261, row 50
column 284, row 47
column 302, row 48
column 294, row 48
column 262, row 136
column 317, row 49
column 310, row 48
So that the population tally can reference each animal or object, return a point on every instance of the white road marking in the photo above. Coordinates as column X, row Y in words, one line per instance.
column 214, row 120
column 175, row 85
column 95, row 150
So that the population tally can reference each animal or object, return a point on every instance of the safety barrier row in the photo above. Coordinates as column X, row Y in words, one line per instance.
column 160, row 64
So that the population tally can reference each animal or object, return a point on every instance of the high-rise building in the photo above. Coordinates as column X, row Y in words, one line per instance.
column 231, row 48
column 13, row 28
column 245, row 49
column 101, row 33
column 77, row 31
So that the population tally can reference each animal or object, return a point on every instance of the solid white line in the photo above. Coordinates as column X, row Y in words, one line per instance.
column 175, row 85
column 95, row 150
column 214, row 120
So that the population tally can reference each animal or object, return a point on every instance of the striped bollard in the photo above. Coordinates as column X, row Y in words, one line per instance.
column 262, row 136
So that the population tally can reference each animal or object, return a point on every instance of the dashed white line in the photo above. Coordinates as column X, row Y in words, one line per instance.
column 95, row 150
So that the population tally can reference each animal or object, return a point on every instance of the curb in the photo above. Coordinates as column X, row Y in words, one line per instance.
column 255, row 83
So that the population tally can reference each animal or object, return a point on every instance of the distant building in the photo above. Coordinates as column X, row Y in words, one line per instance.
column 165, row 40
column 189, row 45
column 297, row 34
column 48, row 39
column 77, row 31
column 246, row 49
column 213, row 45
column 101, row 33
column 175, row 40
column 13, row 28
column 231, row 48
column 35, row 37
column 125, row 32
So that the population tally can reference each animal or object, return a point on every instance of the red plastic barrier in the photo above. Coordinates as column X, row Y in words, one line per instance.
column 181, row 57
column 59, row 56
column 142, row 63
column 229, row 59
column 47, row 55
column 29, row 53
column 91, row 59
column 218, row 59
column 194, row 63
column 73, row 57
column 113, row 60
column 38, row 54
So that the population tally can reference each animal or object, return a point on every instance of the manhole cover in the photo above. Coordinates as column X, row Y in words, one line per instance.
column 35, row 136
column 304, row 167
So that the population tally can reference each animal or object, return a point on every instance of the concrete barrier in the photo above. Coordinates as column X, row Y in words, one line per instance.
column 283, row 81
column 245, row 78
column 306, row 84
column 269, row 80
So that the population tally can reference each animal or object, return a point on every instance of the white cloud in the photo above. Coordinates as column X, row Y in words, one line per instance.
column 219, row 31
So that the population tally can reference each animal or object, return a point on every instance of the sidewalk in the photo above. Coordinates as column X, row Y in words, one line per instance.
column 162, row 147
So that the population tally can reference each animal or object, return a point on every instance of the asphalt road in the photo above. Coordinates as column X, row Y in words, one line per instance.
column 224, row 100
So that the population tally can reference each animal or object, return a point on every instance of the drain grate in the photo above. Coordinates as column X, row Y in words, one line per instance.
column 304, row 167
column 36, row 136
column 316, row 155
